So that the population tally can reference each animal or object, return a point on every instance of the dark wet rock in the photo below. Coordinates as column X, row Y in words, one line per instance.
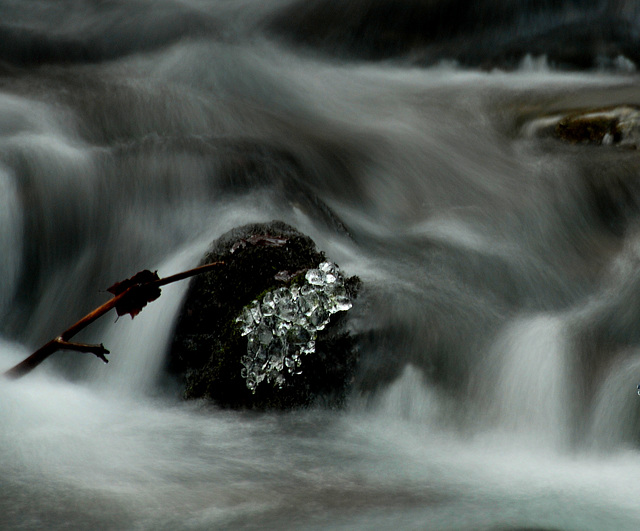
column 607, row 126
column 379, row 29
column 496, row 34
column 588, row 129
column 613, row 125
column 209, row 348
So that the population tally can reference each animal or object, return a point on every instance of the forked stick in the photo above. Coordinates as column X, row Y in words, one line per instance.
column 130, row 296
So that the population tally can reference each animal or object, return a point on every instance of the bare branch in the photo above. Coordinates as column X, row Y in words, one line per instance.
column 133, row 295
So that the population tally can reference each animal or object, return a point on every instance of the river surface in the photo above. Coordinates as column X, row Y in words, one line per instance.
column 498, row 324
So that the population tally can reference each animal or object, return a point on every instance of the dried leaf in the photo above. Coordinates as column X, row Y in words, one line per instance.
column 142, row 277
column 142, row 291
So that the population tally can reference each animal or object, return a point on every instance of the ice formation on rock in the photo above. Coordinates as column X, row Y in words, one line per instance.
column 283, row 326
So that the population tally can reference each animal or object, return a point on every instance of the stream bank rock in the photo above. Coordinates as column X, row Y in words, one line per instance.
column 607, row 126
column 613, row 125
column 267, row 329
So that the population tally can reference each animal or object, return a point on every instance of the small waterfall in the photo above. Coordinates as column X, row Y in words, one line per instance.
column 138, row 346
column 616, row 411
column 10, row 239
column 528, row 379
column 411, row 399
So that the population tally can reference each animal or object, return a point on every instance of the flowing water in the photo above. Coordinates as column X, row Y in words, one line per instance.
column 498, row 325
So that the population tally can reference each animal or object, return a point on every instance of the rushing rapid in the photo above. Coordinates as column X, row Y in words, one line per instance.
column 498, row 323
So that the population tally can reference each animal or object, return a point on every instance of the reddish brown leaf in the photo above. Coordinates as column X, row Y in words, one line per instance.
column 136, row 299
column 142, row 291
column 142, row 277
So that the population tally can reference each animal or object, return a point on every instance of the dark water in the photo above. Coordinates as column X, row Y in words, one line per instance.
column 498, row 326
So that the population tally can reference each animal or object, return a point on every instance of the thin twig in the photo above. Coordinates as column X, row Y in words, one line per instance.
column 97, row 350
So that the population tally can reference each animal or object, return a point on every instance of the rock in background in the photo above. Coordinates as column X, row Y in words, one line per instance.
column 209, row 347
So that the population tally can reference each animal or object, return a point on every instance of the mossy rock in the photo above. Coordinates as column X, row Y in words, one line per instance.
column 208, row 346
column 618, row 125
column 594, row 130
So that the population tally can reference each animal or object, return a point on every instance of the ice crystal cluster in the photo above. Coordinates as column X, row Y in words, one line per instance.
column 283, row 326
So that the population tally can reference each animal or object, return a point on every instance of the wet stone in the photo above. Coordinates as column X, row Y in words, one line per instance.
column 250, row 337
column 617, row 125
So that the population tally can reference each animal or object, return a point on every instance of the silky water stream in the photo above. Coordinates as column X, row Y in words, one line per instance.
column 497, row 325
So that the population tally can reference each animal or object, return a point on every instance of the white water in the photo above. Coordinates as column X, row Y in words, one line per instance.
column 497, row 324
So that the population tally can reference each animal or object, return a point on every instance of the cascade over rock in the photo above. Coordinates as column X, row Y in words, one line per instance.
column 599, row 140
column 210, row 348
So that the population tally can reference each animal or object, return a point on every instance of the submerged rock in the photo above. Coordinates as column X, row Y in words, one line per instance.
column 608, row 126
column 617, row 125
column 266, row 329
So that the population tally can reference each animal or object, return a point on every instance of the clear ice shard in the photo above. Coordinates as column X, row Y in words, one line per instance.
column 315, row 277
column 268, row 306
column 283, row 326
